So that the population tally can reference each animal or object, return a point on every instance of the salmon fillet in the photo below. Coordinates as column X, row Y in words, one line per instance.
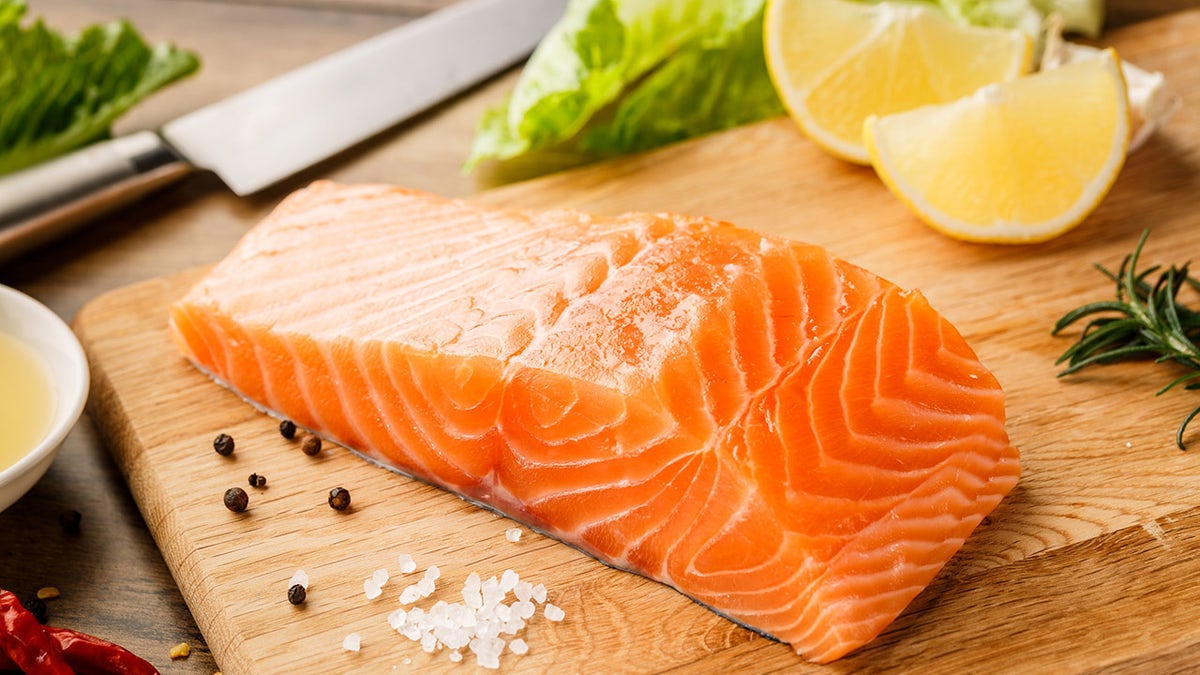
column 780, row 435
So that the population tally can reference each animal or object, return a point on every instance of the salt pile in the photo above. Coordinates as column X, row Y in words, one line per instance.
column 485, row 623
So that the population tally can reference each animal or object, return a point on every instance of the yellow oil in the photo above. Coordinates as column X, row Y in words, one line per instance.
column 26, row 400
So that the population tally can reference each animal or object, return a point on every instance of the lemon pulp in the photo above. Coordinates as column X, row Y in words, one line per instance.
column 1016, row 162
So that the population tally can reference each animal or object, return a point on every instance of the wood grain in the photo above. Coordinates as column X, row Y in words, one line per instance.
column 1083, row 567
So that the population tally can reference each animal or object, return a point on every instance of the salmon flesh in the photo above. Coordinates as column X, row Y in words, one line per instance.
column 780, row 435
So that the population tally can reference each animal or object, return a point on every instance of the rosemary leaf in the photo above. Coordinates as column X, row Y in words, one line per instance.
column 1145, row 321
column 1180, row 380
column 1086, row 310
column 1107, row 356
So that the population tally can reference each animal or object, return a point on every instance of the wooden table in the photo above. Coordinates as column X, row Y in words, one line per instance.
column 111, row 576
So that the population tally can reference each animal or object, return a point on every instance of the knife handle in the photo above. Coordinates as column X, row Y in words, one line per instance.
column 47, row 200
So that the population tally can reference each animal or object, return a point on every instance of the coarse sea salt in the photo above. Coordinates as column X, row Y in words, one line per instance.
column 301, row 578
column 409, row 595
column 407, row 564
column 380, row 576
column 371, row 589
column 523, row 609
column 508, row 580
column 503, row 613
column 485, row 623
column 352, row 642
column 425, row 587
column 396, row 619
column 513, row 534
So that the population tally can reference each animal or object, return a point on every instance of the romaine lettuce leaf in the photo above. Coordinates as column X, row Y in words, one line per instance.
column 628, row 71
column 667, row 106
column 62, row 92
column 1079, row 16
column 995, row 13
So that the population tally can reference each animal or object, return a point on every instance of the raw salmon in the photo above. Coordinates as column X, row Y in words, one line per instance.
column 780, row 435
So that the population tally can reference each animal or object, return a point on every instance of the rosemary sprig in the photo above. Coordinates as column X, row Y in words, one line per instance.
column 1146, row 320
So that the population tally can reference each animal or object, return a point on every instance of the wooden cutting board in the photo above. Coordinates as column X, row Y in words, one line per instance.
column 1090, row 563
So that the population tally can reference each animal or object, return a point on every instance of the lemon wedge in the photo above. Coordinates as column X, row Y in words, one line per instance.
column 1016, row 162
column 836, row 62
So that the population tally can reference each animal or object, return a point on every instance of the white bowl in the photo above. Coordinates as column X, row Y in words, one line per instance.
column 37, row 326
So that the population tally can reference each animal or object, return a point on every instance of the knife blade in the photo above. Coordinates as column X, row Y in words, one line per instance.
column 261, row 136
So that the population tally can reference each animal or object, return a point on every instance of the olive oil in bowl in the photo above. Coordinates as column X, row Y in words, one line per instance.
column 26, row 400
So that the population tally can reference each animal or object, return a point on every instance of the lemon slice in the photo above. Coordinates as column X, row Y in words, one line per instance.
column 1017, row 162
column 835, row 62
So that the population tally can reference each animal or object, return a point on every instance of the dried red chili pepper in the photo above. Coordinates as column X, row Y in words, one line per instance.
column 90, row 655
column 77, row 652
column 25, row 641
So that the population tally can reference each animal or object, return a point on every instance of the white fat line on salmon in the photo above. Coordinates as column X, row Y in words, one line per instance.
column 303, row 386
column 376, row 393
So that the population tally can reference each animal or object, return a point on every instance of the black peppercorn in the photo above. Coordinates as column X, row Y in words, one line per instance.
column 223, row 444
column 236, row 499
column 311, row 445
column 297, row 594
column 339, row 498
column 287, row 429
column 257, row 480
column 69, row 521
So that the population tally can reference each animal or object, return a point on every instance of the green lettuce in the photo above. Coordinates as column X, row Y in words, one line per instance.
column 1079, row 16
column 994, row 13
column 59, row 92
column 618, row 76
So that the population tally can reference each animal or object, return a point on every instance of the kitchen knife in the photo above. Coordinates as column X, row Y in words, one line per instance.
column 256, row 138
